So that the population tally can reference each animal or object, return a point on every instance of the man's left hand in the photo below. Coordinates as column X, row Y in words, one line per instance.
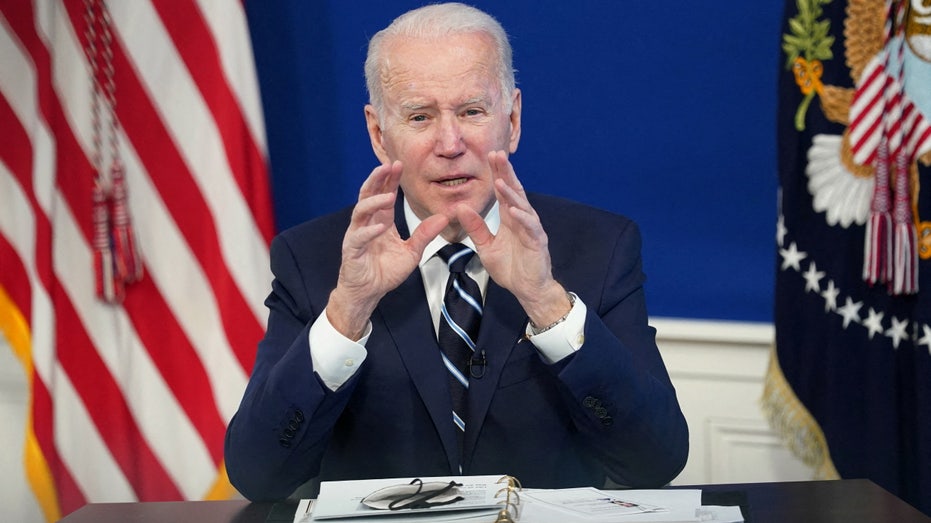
column 518, row 256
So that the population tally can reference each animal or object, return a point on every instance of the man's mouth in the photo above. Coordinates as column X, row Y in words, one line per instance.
column 454, row 181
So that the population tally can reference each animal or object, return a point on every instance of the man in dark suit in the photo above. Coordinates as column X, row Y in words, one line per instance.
column 565, row 386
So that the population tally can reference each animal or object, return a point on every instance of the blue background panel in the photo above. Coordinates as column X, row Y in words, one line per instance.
column 662, row 111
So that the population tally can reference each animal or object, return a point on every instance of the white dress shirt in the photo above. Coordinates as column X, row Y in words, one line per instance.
column 336, row 358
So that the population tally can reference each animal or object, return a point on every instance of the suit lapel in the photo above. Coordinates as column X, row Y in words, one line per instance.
column 410, row 325
column 407, row 319
column 503, row 320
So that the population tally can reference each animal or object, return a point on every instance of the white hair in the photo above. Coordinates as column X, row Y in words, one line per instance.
column 434, row 21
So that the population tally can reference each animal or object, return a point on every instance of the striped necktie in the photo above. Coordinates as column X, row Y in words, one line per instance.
column 458, row 330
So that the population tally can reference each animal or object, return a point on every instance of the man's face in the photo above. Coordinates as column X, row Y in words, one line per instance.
column 443, row 113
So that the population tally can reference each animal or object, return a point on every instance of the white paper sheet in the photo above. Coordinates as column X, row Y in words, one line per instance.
column 593, row 505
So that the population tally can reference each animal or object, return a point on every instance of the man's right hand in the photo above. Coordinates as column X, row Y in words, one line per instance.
column 375, row 260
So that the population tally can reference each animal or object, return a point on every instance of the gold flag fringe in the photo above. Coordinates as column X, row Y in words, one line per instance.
column 789, row 418
column 18, row 333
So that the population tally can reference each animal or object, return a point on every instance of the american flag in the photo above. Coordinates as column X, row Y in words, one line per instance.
column 849, row 385
column 130, row 397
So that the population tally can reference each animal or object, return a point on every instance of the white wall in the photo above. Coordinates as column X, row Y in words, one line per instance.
column 716, row 367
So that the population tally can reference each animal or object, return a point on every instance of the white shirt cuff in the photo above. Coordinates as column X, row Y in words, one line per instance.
column 563, row 339
column 335, row 357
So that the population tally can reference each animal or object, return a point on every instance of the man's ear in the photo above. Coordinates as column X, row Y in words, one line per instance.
column 515, row 121
column 375, row 134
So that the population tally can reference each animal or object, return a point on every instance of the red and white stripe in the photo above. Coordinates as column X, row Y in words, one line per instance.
column 131, row 401
column 867, row 117
column 888, row 132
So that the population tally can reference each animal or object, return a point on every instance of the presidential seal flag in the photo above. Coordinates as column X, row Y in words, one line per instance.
column 135, row 220
column 849, row 384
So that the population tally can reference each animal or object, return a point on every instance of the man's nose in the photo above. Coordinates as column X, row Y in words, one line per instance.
column 449, row 139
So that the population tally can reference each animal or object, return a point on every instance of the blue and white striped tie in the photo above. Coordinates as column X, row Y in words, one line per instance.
column 461, row 315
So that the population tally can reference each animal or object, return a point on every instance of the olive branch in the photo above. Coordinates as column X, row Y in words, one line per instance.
column 806, row 45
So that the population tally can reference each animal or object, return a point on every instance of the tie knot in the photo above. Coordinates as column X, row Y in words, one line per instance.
column 456, row 256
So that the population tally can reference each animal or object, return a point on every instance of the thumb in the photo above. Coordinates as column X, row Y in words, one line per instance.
column 426, row 232
column 474, row 226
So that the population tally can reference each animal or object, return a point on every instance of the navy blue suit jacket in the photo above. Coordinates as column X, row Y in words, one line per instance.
column 607, row 411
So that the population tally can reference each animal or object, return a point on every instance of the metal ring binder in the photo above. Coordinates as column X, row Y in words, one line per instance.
column 511, row 502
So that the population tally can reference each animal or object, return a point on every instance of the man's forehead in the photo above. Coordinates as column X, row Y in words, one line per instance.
column 410, row 91
column 452, row 58
column 454, row 70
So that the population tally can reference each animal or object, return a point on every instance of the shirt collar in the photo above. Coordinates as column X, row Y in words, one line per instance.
column 492, row 220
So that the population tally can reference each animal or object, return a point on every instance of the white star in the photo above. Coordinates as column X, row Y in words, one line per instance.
column 850, row 311
column 874, row 323
column 781, row 231
column 791, row 257
column 830, row 297
column 897, row 331
column 813, row 278
column 926, row 338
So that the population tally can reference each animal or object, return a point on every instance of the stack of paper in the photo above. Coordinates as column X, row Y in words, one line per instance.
column 343, row 501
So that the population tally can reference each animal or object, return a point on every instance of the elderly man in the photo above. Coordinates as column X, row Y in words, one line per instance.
column 450, row 323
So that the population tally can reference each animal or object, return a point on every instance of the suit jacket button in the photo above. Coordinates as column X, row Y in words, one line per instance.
column 601, row 412
column 607, row 421
column 284, row 442
column 589, row 402
column 298, row 415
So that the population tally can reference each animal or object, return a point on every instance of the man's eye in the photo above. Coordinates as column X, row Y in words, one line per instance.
column 419, row 118
column 474, row 112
